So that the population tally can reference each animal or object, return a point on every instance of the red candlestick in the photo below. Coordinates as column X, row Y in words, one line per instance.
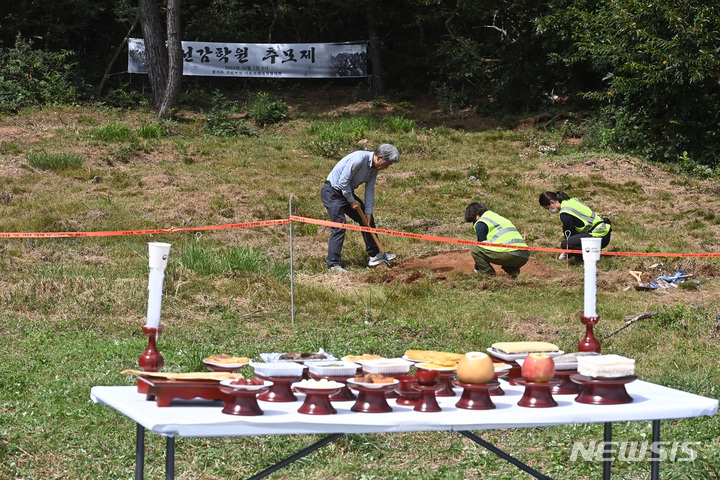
column 151, row 360
column 589, row 343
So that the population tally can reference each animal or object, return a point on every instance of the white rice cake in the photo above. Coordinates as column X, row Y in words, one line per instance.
column 606, row 366
column 511, row 348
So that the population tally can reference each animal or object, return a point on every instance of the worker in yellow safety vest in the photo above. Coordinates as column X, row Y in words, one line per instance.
column 578, row 220
column 490, row 227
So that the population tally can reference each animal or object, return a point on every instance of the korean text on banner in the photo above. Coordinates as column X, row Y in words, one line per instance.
column 282, row 60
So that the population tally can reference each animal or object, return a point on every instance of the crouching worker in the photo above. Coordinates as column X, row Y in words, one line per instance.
column 492, row 228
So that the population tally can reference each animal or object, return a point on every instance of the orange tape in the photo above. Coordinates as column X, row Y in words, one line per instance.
column 263, row 223
column 485, row 244
column 326, row 223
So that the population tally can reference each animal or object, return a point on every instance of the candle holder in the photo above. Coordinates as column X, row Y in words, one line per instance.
column 589, row 343
column 151, row 360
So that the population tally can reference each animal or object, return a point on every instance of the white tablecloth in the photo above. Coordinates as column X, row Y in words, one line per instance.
column 202, row 418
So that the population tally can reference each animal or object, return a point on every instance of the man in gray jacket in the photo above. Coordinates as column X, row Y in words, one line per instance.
column 338, row 196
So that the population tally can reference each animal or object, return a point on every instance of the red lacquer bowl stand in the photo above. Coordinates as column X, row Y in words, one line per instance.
column 446, row 379
column 497, row 391
column 342, row 395
column 537, row 394
column 603, row 391
column 242, row 402
column 514, row 372
column 280, row 390
column 567, row 386
column 317, row 401
column 372, row 400
column 476, row 396
column 407, row 396
column 427, row 401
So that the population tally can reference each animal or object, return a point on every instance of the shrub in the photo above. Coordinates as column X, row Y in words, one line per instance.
column 31, row 77
column 220, row 122
column 338, row 136
column 54, row 161
column 264, row 111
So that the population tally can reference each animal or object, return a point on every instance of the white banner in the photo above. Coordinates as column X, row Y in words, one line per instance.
column 279, row 60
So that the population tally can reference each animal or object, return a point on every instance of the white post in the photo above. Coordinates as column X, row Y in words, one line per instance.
column 292, row 286
column 591, row 255
column 159, row 253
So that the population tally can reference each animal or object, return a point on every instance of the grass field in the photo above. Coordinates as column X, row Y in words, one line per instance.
column 71, row 308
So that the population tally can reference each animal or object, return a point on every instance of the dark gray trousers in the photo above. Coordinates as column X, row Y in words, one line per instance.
column 337, row 207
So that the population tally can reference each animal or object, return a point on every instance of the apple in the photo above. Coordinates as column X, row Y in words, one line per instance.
column 475, row 368
column 538, row 367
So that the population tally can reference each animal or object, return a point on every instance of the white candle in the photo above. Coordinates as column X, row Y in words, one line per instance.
column 159, row 253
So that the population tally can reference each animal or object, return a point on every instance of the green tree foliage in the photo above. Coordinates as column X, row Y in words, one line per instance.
column 660, row 67
column 30, row 77
column 648, row 70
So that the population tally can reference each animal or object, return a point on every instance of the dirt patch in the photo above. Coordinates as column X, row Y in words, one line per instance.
column 439, row 264
column 461, row 261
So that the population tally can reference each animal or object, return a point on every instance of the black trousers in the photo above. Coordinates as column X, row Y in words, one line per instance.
column 338, row 207
column 574, row 243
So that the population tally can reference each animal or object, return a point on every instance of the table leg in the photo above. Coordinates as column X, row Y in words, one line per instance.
column 504, row 455
column 297, row 456
column 170, row 458
column 655, row 456
column 607, row 452
column 140, row 453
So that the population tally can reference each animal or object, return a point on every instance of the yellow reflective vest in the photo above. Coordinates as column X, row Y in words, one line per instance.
column 500, row 230
column 592, row 223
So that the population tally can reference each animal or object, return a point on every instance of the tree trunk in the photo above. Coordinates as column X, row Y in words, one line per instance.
column 175, row 56
column 376, row 79
column 117, row 53
column 155, row 50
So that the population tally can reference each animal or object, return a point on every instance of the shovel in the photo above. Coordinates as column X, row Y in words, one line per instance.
column 640, row 285
column 374, row 237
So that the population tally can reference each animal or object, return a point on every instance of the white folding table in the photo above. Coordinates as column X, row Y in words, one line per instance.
column 203, row 418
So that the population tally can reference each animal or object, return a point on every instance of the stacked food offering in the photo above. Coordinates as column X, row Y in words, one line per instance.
column 605, row 366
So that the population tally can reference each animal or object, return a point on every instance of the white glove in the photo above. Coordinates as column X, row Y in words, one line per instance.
column 562, row 257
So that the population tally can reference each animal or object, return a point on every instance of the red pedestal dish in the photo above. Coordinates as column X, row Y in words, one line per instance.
column 497, row 391
column 427, row 376
column 342, row 395
column 567, row 386
column 164, row 391
column 371, row 397
column 428, row 400
column 407, row 396
column 446, row 381
column 602, row 391
column 537, row 395
column 476, row 396
column 317, row 401
column 281, row 390
column 242, row 402
column 514, row 372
